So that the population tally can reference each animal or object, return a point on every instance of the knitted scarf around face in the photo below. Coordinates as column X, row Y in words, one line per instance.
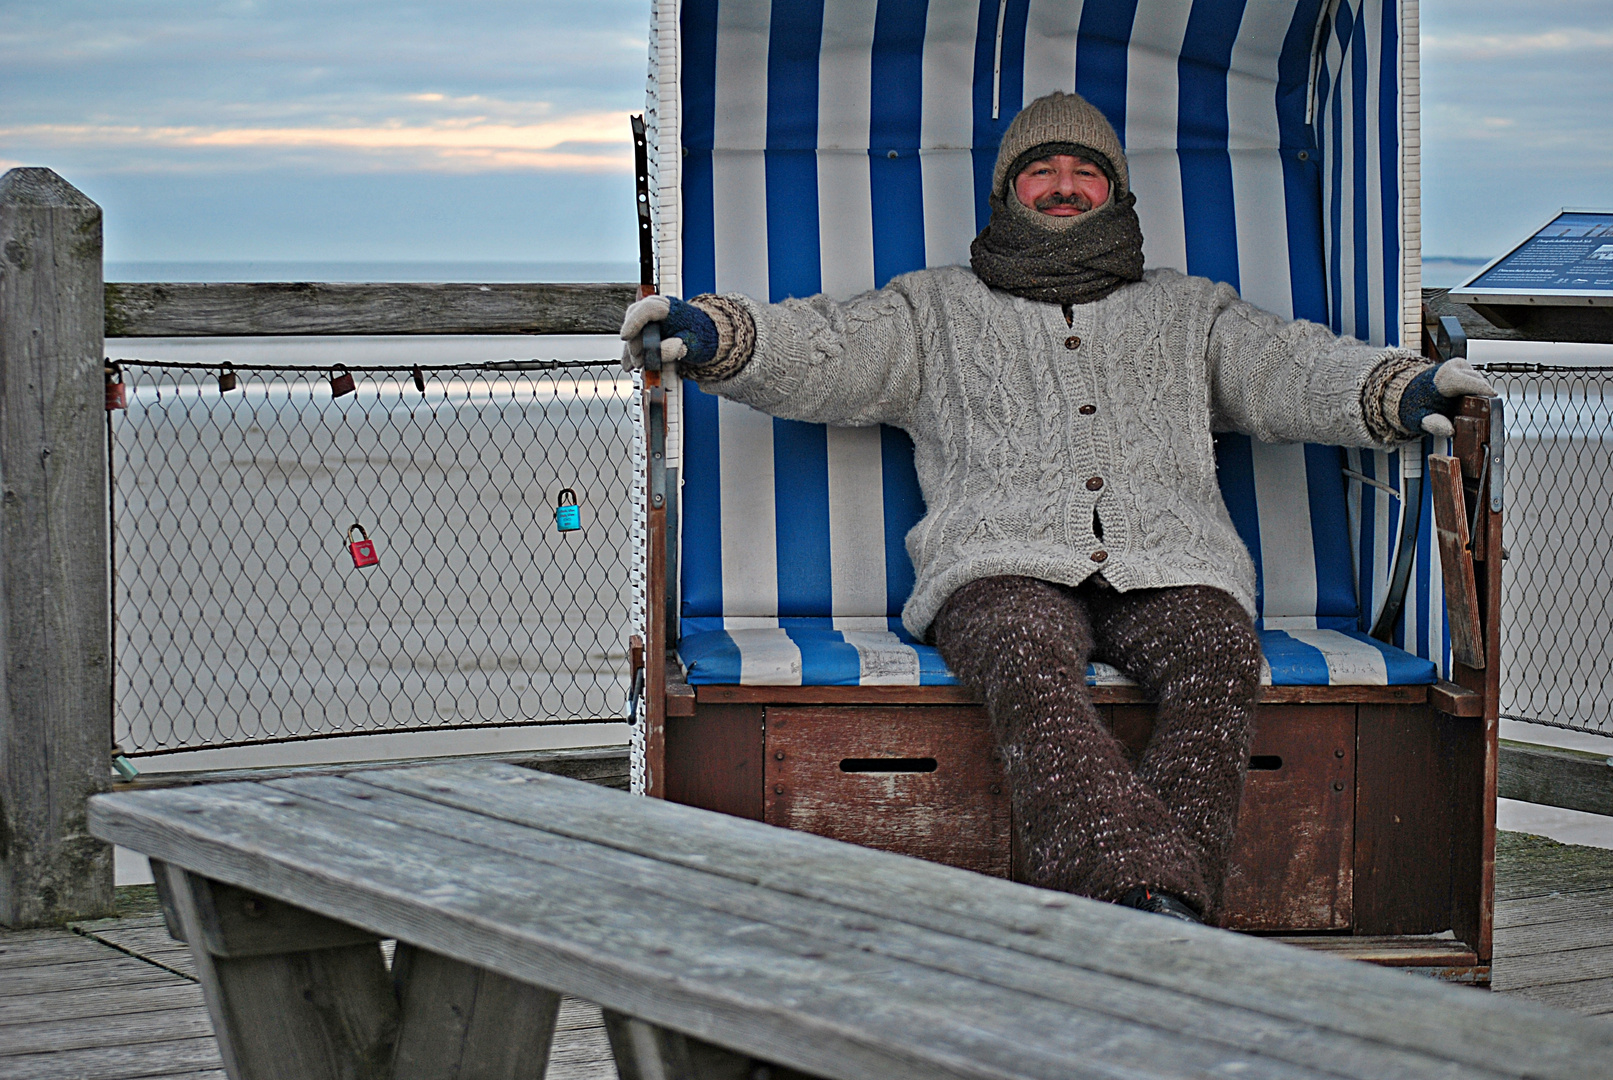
column 1040, row 258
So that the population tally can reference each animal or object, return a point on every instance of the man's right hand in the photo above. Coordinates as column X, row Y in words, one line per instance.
column 687, row 334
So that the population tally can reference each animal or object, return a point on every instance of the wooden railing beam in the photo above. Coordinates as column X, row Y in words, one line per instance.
column 278, row 308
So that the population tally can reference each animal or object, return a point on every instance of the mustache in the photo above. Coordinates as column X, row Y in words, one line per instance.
column 1075, row 199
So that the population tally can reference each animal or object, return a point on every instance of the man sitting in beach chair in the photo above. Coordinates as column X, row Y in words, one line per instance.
column 1061, row 402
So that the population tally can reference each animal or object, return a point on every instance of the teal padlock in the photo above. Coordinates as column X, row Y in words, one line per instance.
column 567, row 514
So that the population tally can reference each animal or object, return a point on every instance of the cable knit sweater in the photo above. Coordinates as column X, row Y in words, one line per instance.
column 1054, row 449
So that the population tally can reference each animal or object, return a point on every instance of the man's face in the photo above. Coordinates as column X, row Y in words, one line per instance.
column 1062, row 185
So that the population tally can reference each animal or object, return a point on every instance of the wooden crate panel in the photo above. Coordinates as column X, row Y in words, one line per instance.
column 916, row 781
column 714, row 759
column 1293, row 861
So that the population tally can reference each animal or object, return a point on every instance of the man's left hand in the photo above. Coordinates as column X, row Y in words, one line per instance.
column 1431, row 399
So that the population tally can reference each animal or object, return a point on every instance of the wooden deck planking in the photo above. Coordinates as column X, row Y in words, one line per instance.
column 143, row 936
column 1554, row 923
column 90, row 1004
column 73, row 1008
column 87, row 1005
column 62, row 1018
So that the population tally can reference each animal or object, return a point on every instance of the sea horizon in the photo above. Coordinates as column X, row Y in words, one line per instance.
column 358, row 270
column 1439, row 271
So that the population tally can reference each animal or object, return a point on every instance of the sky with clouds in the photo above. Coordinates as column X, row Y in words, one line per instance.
column 412, row 130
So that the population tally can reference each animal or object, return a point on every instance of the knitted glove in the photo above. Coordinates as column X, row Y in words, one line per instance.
column 1430, row 399
column 687, row 333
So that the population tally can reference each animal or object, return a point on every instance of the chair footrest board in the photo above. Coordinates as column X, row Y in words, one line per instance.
column 813, row 652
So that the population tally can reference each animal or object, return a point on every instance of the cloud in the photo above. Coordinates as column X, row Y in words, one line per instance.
column 1494, row 46
column 596, row 141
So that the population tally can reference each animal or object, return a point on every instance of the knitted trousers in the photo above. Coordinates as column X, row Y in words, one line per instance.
column 1090, row 820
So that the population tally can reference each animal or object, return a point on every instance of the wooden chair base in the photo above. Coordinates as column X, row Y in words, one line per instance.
column 1361, row 817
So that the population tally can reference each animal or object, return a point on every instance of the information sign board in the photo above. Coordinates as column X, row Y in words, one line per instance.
column 1568, row 261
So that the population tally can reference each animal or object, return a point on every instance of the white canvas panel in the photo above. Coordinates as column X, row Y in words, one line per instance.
column 856, row 521
column 1287, row 558
column 749, row 536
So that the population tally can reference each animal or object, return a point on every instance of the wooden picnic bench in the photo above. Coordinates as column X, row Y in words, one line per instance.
column 721, row 947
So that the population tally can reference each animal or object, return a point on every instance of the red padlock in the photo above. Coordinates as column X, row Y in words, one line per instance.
column 341, row 381
column 362, row 549
column 117, row 394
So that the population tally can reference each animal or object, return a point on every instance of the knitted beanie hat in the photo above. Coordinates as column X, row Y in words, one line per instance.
column 1059, row 118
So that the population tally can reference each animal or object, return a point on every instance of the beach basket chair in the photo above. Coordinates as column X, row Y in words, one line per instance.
column 805, row 146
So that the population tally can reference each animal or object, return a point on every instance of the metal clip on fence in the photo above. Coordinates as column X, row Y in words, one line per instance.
column 117, row 394
column 1450, row 340
column 657, row 418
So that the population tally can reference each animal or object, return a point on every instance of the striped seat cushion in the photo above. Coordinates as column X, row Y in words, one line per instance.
column 815, row 652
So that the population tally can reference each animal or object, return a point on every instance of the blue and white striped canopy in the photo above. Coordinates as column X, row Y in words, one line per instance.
column 805, row 146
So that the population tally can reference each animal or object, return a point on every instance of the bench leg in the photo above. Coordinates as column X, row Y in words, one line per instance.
column 290, row 993
column 468, row 1023
column 644, row 1051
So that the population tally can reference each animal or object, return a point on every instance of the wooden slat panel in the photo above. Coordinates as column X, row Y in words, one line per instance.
column 136, row 1062
column 605, row 765
column 122, row 971
column 77, row 1034
column 116, row 1000
column 1402, row 823
column 1592, row 997
column 714, row 760
column 1553, row 907
column 581, row 1051
column 1583, row 932
column 1572, row 779
column 268, row 309
column 957, row 814
column 457, row 1020
column 1293, row 860
column 58, row 948
column 324, row 1014
column 1574, row 965
column 1406, row 951
column 1455, row 560
column 149, row 942
column 1541, row 868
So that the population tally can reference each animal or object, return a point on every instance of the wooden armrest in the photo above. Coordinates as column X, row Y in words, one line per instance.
column 1455, row 700
column 679, row 698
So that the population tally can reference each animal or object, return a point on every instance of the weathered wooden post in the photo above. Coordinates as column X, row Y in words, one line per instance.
column 55, row 717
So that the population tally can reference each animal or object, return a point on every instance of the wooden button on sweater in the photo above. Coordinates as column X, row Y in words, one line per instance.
column 1099, row 556
column 1094, row 483
column 1072, row 342
column 1088, row 410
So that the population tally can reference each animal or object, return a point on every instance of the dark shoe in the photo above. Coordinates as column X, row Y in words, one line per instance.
column 1160, row 903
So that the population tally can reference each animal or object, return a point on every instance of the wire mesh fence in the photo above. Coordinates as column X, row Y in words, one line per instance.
column 240, row 614
column 1557, row 597
column 241, row 618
